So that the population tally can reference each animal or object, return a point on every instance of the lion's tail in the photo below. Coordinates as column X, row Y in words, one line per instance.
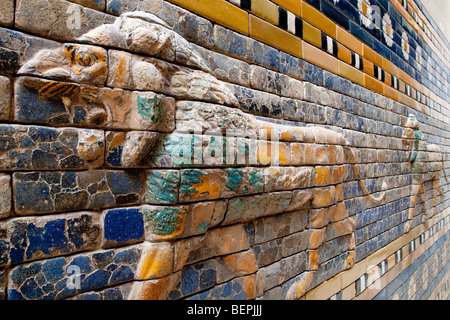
column 376, row 200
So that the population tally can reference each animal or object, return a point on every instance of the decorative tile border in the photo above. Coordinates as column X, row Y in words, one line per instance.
column 411, row 92
column 362, row 282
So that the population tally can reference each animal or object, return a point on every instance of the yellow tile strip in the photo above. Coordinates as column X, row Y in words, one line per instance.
column 294, row 6
column 266, row 10
column 220, row 11
column 319, row 58
column 318, row 19
column 268, row 33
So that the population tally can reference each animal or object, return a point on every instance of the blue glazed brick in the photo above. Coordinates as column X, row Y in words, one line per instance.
column 195, row 278
column 123, row 226
column 114, row 7
column 65, row 277
column 361, row 34
column 53, row 270
column 118, row 293
column 348, row 9
column 38, row 192
column 31, row 108
column 315, row 3
column 271, row 58
column 291, row 65
column 30, row 238
column 335, row 14
column 381, row 49
column 231, row 290
column 38, row 147
column 192, row 27
column 312, row 73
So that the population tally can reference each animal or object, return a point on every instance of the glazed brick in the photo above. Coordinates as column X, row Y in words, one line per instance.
column 122, row 226
column 266, row 104
column 68, row 191
column 126, row 72
column 136, row 224
column 7, row 14
column 192, row 27
column 44, row 237
column 118, row 109
column 198, row 117
column 207, row 184
column 281, row 271
column 29, row 18
column 5, row 100
column 35, row 147
column 226, row 68
column 335, row 247
column 222, row 241
column 243, row 288
column 266, row 10
column 330, row 268
column 5, row 196
column 229, row 213
column 235, row 265
column 161, row 187
column 118, row 7
column 243, row 209
column 274, row 36
column 291, row 5
column 18, row 47
column 280, row 225
column 220, row 11
column 63, row 277
column 161, row 223
column 195, row 278
column 99, row 5
column 301, row 281
column 239, row 46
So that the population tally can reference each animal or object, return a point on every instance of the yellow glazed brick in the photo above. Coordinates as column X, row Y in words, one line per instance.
column 293, row 6
column 389, row 67
column 391, row 261
column 351, row 73
column 401, row 86
column 312, row 35
column 326, row 289
column 350, row 276
column 390, row 92
column 373, row 289
column 320, row 58
column 157, row 262
column 403, row 76
column 368, row 67
column 403, row 98
column 349, row 40
column 344, row 54
column 371, row 55
column 274, row 36
column 387, row 79
column 349, row 292
column 266, row 10
column 373, row 84
column 316, row 18
column 220, row 11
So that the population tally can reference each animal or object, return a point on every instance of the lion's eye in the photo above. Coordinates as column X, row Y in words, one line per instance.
column 85, row 59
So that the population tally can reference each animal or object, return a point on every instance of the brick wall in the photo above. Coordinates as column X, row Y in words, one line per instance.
column 257, row 149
